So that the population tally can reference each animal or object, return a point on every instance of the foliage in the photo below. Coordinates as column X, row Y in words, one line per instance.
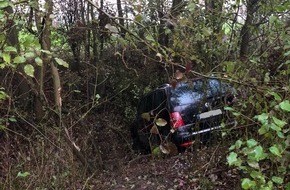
column 269, row 149
column 262, row 154
column 114, row 70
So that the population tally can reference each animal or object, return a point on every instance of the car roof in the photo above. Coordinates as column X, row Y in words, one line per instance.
column 166, row 85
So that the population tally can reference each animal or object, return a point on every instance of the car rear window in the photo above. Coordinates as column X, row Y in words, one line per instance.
column 192, row 92
column 156, row 100
column 186, row 93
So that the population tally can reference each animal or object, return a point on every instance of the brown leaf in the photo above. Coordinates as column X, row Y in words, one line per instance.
column 154, row 130
column 146, row 116
column 172, row 148
column 188, row 67
column 173, row 83
column 163, row 149
column 178, row 75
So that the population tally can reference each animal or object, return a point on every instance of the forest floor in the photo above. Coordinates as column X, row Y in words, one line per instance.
column 39, row 157
column 199, row 167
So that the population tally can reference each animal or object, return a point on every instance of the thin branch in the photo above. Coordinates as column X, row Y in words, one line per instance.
column 124, row 28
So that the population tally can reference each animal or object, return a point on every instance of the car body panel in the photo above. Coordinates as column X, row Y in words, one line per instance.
column 196, row 106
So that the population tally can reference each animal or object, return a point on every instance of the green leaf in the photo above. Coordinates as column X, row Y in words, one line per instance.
column 10, row 49
column 257, row 154
column 19, row 59
column 274, row 150
column 228, row 108
column 156, row 152
column 29, row 54
column 4, row 4
column 279, row 123
column 160, row 122
column 150, row 38
column 280, row 135
column 38, row 61
column 277, row 180
column 24, row 174
column 206, row 31
column 251, row 143
column 264, row 129
column 29, row 70
column 138, row 18
column 253, row 164
column 288, row 186
column 263, row 118
column 6, row 57
column 276, row 96
column 256, row 175
column 274, row 127
column 285, row 105
column 247, row 183
column 2, row 127
column 287, row 53
column 61, row 62
column 232, row 158
column 3, row 95
column 12, row 119
column 229, row 66
column 237, row 145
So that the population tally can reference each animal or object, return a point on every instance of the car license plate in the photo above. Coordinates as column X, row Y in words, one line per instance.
column 209, row 114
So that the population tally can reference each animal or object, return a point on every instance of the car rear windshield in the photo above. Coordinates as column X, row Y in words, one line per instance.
column 194, row 91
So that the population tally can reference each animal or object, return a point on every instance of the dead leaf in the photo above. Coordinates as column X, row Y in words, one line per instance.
column 171, row 147
column 146, row 116
column 178, row 75
column 188, row 67
column 154, row 130
column 173, row 83
column 160, row 56
column 163, row 149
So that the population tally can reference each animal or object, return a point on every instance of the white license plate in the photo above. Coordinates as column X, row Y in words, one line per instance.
column 209, row 114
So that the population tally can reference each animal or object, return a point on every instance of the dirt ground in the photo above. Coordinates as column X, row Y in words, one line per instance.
column 199, row 167
column 117, row 167
column 202, row 169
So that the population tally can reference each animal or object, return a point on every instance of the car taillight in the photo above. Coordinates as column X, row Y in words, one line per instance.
column 176, row 120
column 186, row 144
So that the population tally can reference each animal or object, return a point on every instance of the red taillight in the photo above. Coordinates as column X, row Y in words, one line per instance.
column 176, row 120
column 186, row 144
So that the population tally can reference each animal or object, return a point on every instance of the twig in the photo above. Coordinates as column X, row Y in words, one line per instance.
column 207, row 164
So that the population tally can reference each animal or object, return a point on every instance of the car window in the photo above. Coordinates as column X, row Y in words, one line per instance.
column 213, row 87
column 187, row 93
column 159, row 100
column 152, row 101
column 141, row 106
column 145, row 104
column 216, row 87
column 149, row 103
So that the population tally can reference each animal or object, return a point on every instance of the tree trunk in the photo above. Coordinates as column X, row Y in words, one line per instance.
column 12, row 40
column 121, row 20
column 12, row 34
column 245, row 34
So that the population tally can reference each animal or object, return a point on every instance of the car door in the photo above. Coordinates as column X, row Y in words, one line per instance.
column 160, row 110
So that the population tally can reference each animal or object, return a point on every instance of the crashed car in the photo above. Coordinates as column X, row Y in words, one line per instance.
column 180, row 113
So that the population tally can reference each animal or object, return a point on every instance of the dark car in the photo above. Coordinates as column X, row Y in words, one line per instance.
column 181, row 113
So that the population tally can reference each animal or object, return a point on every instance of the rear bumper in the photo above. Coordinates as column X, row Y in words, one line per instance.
column 185, row 136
